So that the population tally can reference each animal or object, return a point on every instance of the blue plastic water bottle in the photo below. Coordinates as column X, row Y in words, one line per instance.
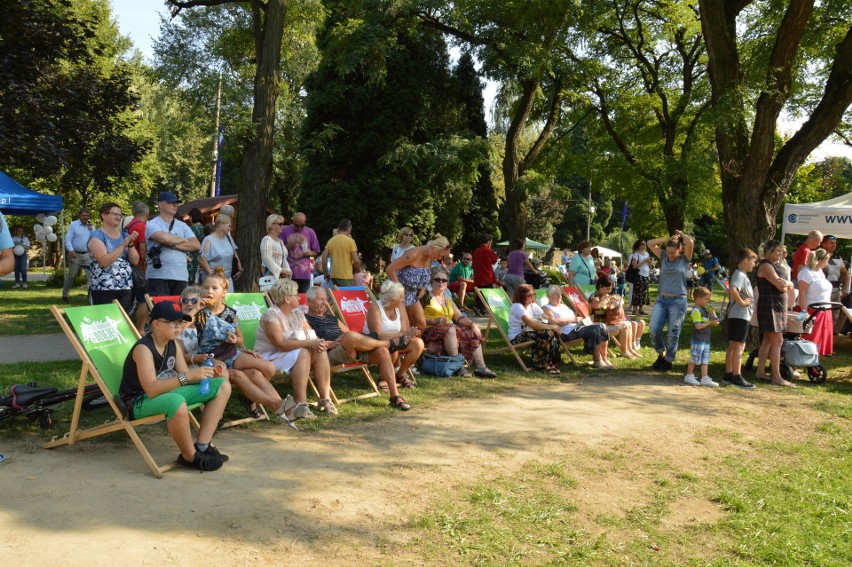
column 204, row 385
column 801, row 316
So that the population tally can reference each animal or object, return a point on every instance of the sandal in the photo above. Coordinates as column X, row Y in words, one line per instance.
column 484, row 372
column 553, row 370
column 464, row 373
column 399, row 343
column 397, row 402
column 251, row 407
column 406, row 382
column 383, row 386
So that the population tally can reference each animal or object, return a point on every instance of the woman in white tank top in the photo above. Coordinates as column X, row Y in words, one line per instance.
column 387, row 319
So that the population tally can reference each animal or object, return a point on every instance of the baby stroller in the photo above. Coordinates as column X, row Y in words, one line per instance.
column 796, row 351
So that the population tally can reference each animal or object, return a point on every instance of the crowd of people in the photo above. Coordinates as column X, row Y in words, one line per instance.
column 423, row 308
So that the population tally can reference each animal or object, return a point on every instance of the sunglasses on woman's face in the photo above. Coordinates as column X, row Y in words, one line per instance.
column 440, row 280
column 189, row 300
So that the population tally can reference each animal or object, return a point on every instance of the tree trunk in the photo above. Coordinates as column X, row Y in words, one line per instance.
column 257, row 160
column 756, row 174
column 516, row 197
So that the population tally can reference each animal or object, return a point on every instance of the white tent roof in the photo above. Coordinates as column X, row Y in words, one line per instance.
column 605, row 252
column 833, row 216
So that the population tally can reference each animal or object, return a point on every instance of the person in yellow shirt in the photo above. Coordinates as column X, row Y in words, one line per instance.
column 343, row 252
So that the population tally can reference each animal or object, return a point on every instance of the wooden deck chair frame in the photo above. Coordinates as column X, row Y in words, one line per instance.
column 586, row 311
column 303, row 301
column 151, row 300
column 541, row 293
column 264, row 416
column 493, row 321
column 363, row 367
column 373, row 298
column 120, row 422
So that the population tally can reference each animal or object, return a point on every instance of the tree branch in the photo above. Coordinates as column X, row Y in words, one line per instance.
column 778, row 80
column 544, row 135
column 178, row 5
column 823, row 121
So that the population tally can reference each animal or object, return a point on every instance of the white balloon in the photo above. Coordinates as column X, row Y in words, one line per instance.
column 19, row 250
column 40, row 217
column 48, row 230
column 52, row 237
column 50, row 221
column 38, row 229
column 40, row 237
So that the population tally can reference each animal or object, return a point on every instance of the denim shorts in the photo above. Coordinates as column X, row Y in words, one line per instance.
column 699, row 353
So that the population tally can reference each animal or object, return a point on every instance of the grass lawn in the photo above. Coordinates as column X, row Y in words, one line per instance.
column 778, row 503
column 773, row 503
column 26, row 311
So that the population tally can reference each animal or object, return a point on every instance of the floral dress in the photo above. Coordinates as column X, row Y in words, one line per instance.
column 413, row 280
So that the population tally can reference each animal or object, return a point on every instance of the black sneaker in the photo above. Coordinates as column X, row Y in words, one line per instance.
column 202, row 462
column 211, row 450
column 666, row 365
column 659, row 362
column 738, row 381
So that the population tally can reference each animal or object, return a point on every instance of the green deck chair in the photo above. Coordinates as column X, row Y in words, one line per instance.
column 250, row 307
column 497, row 304
column 102, row 336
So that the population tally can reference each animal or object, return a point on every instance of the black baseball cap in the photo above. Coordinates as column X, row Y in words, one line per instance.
column 169, row 311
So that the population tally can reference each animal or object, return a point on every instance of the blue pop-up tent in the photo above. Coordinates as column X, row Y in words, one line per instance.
column 15, row 199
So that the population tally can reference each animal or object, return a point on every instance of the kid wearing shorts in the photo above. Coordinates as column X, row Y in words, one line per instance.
column 703, row 318
column 739, row 315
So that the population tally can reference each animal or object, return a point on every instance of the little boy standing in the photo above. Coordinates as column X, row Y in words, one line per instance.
column 739, row 315
column 703, row 318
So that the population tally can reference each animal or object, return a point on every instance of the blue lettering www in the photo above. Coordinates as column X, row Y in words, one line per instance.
column 846, row 219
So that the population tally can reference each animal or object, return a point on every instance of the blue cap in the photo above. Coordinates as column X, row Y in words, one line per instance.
column 168, row 197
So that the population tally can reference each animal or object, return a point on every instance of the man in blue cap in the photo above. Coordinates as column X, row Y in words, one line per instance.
column 169, row 240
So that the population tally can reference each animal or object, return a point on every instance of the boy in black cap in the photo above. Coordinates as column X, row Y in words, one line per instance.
column 156, row 380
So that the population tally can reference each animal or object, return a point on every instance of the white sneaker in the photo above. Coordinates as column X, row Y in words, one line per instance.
column 600, row 364
column 707, row 381
column 637, row 345
column 691, row 380
column 16, row 285
column 25, row 285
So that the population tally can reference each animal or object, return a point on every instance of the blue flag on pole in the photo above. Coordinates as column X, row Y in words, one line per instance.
column 624, row 215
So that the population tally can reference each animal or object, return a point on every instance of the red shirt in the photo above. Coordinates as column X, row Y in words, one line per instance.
column 800, row 258
column 483, row 266
column 137, row 227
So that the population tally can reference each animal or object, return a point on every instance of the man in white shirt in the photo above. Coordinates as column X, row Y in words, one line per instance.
column 77, row 250
column 169, row 240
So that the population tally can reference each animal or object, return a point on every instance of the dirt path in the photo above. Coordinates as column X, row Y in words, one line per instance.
column 331, row 495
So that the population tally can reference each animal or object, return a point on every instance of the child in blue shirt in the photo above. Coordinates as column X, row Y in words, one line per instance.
column 703, row 317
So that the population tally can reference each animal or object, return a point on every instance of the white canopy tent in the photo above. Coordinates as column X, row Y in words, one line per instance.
column 833, row 216
column 606, row 252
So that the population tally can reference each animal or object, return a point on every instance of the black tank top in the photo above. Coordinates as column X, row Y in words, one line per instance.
column 131, row 389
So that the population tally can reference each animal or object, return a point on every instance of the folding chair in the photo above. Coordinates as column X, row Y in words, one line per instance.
column 497, row 305
column 250, row 307
column 541, row 299
column 577, row 301
column 153, row 300
column 350, row 305
column 373, row 299
column 103, row 336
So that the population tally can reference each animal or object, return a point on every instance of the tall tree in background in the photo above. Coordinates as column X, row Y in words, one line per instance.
column 481, row 216
column 66, row 106
column 524, row 46
column 268, row 20
column 762, row 62
column 391, row 142
column 645, row 68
